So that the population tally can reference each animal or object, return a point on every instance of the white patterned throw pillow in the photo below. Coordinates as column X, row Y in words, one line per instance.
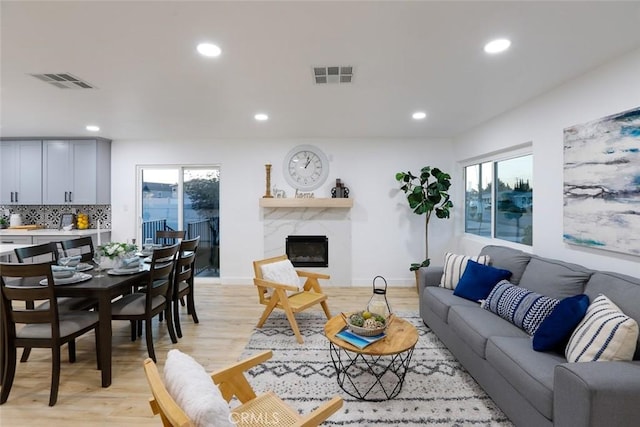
column 454, row 266
column 193, row 390
column 605, row 333
column 281, row 272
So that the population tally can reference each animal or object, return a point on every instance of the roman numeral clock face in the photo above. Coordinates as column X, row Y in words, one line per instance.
column 306, row 167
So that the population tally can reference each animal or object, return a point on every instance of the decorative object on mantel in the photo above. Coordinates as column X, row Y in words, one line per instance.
column 303, row 195
column 278, row 194
column 267, row 193
column 339, row 191
column 306, row 167
column 602, row 183
column 426, row 193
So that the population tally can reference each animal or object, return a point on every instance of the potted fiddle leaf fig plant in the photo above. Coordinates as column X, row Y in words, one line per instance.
column 426, row 193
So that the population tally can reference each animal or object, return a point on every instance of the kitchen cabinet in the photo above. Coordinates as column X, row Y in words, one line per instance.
column 76, row 172
column 21, row 172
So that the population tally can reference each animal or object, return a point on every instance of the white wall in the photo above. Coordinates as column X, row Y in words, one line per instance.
column 604, row 91
column 386, row 236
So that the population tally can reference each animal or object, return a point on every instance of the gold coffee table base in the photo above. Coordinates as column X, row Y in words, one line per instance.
column 376, row 372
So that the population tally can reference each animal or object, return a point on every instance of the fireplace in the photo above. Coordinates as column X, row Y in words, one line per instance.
column 308, row 251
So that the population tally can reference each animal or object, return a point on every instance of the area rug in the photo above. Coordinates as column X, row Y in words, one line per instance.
column 437, row 390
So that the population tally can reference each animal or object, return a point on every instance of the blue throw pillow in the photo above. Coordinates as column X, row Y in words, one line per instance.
column 554, row 332
column 478, row 280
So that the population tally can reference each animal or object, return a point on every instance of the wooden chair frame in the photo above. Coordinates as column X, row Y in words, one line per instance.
column 183, row 281
column 79, row 244
column 311, row 295
column 233, row 383
column 160, row 284
column 50, row 328
column 169, row 237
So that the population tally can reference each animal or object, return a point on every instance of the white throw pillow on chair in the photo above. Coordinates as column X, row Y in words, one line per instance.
column 281, row 272
column 193, row 390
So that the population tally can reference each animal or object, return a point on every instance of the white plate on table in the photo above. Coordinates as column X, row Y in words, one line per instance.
column 76, row 278
column 124, row 271
column 83, row 266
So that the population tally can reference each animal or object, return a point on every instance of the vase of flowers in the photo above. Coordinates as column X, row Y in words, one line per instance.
column 114, row 252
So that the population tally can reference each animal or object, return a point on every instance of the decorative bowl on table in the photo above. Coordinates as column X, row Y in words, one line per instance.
column 366, row 324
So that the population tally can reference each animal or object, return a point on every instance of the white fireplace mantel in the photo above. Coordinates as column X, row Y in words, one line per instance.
column 300, row 202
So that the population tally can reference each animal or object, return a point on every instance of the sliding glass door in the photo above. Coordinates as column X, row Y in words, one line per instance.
column 183, row 198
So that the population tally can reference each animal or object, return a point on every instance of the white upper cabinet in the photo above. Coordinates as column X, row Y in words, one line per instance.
column 21, row 172
column 76, row 172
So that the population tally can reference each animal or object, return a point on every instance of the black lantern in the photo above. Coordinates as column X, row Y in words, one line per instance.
column 378, row 303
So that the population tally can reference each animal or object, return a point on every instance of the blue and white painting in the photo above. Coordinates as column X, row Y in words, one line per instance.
column 602, row 183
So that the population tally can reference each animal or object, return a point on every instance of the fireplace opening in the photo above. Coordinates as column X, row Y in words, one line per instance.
column 308, row 251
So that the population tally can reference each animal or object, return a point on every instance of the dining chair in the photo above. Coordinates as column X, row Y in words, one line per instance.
column 183, row 281
column 49, row 253
column 289, row 296
column 45, row 252
column 192, row 382
column 143, row 306
column 169, row 237
column 45, row 327
column 82, row 246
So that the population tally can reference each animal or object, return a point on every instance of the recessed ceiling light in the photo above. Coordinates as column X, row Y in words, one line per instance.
column 261, row 117
column 93, row 128
column 209, row 49
column 419, row 115
column 497, row 46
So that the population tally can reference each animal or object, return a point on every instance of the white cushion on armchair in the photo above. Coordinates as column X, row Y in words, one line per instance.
column 193, row 390
column 281, row 272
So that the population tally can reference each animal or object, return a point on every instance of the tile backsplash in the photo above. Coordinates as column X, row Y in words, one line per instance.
column 49, row 216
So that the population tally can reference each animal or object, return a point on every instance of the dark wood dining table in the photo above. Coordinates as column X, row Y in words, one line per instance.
column 104, row 289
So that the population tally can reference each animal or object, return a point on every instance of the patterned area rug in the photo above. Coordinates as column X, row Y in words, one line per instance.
column 436, row 391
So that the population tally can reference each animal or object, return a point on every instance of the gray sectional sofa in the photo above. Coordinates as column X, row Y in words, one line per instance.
column 535, row 388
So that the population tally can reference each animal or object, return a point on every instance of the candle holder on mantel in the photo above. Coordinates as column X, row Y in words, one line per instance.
column 267, row 194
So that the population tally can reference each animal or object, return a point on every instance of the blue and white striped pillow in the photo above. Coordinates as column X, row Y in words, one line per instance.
column 605, row 333
column 522, row 307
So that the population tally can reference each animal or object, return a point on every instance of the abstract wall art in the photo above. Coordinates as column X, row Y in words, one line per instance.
column 602, row 183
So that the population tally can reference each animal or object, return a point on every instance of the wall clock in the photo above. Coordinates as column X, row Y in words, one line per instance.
column 306, row 167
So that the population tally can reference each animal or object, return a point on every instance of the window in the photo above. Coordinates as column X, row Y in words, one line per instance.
column 183, row 198
column 499, row 199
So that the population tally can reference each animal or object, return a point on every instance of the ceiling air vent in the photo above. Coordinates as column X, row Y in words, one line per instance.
column 64, row 81
column 333, row 74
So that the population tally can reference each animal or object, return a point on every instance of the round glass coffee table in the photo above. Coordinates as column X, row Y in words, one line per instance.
column 376, row 372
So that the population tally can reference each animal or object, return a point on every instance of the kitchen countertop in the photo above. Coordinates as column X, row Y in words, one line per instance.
column 51, row 232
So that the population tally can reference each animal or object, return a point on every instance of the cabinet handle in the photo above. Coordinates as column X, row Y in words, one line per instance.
column 65, row 196
column 70, row 198
column 16, row 197
column 12, row 197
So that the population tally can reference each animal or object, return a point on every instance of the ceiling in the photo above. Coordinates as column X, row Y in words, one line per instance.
column 152, row 84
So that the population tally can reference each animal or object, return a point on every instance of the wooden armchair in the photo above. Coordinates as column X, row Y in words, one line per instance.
column 274, row 295
column 232, row 382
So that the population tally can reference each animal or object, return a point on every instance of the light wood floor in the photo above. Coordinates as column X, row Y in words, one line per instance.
column 227, row 316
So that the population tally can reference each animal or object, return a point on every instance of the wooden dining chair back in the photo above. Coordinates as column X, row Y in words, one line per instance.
column 142, row 306
column 289, row 297
column 169, row 237
column 232, row 382
column 82, row 246
column 44, row 327
column 183, row 281
column 45, row 252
